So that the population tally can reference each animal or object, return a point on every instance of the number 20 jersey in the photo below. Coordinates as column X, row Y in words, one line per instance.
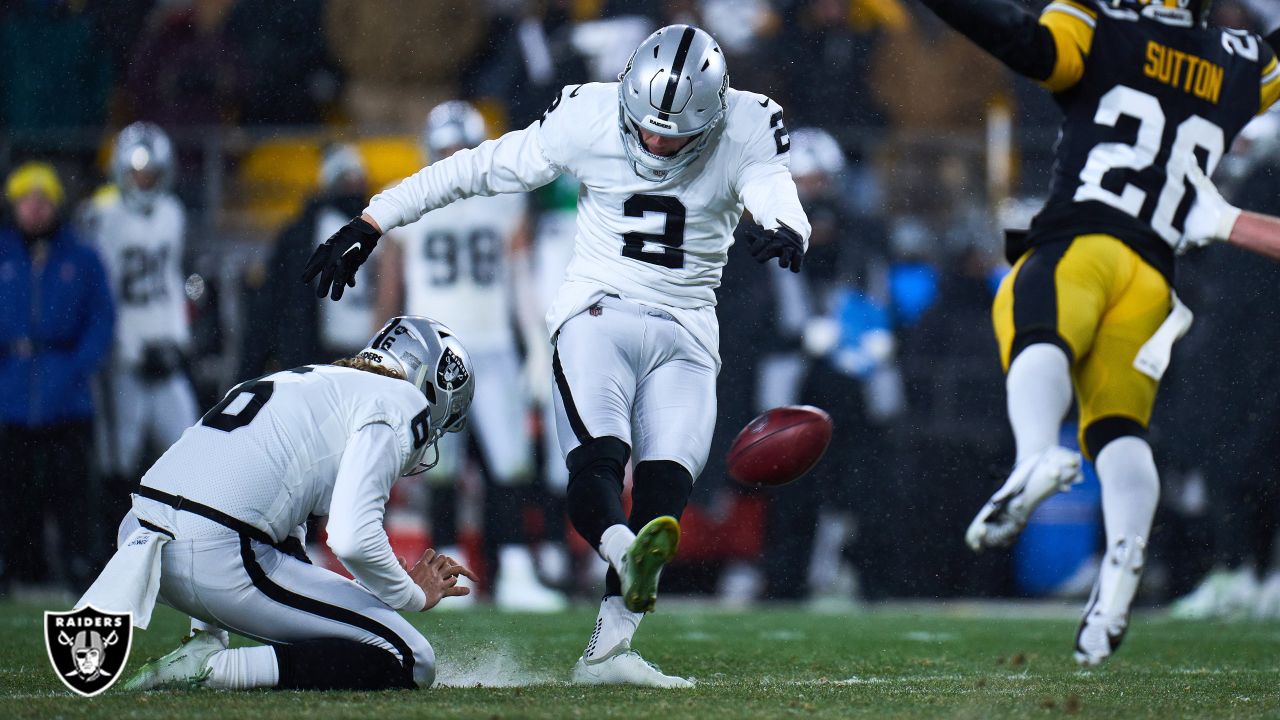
column 1153, row 97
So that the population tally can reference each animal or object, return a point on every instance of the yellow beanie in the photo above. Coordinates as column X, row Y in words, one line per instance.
column 34, row 176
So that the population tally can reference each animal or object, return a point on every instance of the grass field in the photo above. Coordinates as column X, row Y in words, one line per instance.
column 895, row 662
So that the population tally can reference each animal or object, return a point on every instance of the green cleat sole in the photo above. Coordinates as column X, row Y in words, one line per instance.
column 655, row 545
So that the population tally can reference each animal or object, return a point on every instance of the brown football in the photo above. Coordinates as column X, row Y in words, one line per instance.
column 780, row 446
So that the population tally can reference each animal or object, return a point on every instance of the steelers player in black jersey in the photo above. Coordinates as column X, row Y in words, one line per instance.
column 1152, row 98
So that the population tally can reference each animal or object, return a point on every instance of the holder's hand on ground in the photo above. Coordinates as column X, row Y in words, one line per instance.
column 437, row 575
column 338, row 258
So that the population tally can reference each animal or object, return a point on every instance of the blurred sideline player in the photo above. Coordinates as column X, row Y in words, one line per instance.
column 139, row 228
column 1150, row 95
column 458, row 265
column 218, row 525
column 668, row 158
column 284, row 325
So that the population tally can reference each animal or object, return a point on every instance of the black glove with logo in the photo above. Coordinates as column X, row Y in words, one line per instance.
column 337, row 259
column 783, row 243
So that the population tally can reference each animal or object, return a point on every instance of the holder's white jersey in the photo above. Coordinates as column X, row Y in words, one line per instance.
column 142, row 253
column 456, row 265
column 658, row 243
column 281, row 448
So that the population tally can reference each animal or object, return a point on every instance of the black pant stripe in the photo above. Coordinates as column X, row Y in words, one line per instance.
column 1035, row 300
column 575, row 420
column 259, row 578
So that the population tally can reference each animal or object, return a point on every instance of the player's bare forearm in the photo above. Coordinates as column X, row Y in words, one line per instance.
column 369, row 219
column 1007, row 30
column 1257, row 233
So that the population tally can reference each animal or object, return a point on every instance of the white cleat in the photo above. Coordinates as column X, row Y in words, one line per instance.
column 517, row 587
column 624, row 666
column 1222, row 594
column 186, row 667
column 1005, row 515
column 1098, row 637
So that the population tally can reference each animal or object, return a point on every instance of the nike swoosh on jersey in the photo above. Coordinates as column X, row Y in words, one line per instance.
column 574, row 93
column 764, row 103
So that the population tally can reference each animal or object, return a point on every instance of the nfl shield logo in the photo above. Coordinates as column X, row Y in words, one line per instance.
column 87, row 647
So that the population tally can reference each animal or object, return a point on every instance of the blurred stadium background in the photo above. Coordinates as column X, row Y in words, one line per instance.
column 939, row 148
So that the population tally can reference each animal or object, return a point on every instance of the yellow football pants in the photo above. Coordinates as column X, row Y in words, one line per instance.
column 1095, row 298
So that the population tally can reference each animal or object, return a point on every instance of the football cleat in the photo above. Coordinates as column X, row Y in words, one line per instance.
column 518, row 588
column 624, row 666
column 1267, row 604
column 1005, row 515
column 1106, row 617
column 652, row 549
column 186, row 667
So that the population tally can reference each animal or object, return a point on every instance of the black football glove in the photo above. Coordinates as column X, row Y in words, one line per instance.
column 337, row 259
column 783, row 243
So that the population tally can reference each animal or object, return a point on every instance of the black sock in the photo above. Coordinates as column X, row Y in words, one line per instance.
column 335, row 664
column 594, row 495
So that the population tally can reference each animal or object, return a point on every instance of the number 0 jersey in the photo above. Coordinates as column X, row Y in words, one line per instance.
column 268, row 453
column 457, row 270
column 658, row 243
column 142, row 253
column 1143, row 98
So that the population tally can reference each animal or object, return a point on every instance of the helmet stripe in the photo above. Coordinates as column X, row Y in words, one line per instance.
column 673, row 79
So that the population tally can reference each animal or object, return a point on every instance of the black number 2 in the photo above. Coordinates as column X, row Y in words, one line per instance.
column 671, row 256
column 217, row 417
column 780, row 137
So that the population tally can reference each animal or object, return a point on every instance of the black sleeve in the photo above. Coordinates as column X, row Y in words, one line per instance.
column 1005, row 29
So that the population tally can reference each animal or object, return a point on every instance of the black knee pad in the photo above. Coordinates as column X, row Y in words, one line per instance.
column 659, row 487
column 594, row 495
column 609, row 452
column 337, row 664
column 1099, row 433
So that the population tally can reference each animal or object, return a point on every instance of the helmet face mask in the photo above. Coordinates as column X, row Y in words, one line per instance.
column 1185, row 12
column 674, row 85
column 427, row 354
column 142, row 164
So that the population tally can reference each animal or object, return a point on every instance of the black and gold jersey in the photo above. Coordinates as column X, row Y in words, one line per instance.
column 1143, row 98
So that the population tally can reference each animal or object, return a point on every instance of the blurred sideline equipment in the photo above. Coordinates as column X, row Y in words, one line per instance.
column 780, row 446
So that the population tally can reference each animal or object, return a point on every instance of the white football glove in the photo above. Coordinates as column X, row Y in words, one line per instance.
column 1211, row 218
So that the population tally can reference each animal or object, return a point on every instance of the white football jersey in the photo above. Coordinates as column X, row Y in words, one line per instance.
column 268, row 454
column 142, row 253
column 456, row 266
column 659, row 243
column 344, row 327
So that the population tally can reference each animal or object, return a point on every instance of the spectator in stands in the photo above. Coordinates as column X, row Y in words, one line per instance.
column 54, row 70
column 288, row 38
column 285, row 325
column 402, row 57
column 530, row 58
column 188, row 68
column 54, row 334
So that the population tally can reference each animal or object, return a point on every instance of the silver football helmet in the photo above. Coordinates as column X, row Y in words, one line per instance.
column 815, row 152
column 427, row 354
column 450, row 125
column 142, row 164
column 673, row 85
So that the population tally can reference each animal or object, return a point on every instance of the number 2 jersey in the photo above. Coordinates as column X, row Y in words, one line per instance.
column 142, row 253
column 287, row 446
column 456, row 265
column 658, row 243
column 1143, row 97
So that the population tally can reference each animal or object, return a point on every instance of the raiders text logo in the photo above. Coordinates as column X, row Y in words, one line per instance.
column 87, row 647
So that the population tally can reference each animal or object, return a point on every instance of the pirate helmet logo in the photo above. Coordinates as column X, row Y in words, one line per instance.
column 451, row 373
column 87, row 647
